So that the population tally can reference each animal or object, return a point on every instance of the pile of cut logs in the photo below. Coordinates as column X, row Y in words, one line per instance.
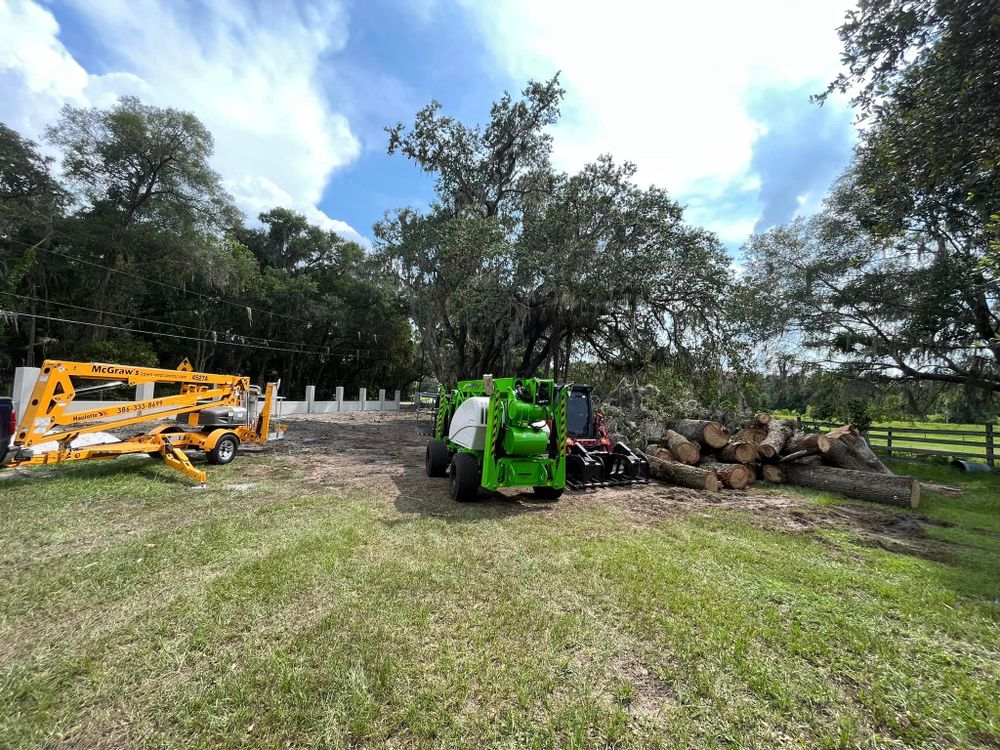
column 703, row 454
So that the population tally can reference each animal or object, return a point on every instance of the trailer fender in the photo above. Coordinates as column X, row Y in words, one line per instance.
column 212, row 438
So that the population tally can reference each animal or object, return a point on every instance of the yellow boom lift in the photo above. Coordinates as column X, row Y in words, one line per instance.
column 212, row 413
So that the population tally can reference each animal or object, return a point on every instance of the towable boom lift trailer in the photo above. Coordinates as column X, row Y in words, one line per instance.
column 212, row 413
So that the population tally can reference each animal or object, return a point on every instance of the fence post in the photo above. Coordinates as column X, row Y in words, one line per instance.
column 362, row 397
column 310, row 399
column 888, row 441
column 340, row 398
column 24, row 383
column 144, row 392
column 989, row 445
column 381, row 399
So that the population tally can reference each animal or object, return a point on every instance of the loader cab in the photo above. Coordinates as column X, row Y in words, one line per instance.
column 580, row 413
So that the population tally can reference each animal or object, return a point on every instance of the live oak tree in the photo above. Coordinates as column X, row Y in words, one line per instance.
column 147, row 198
column 517, row 268
column 896, row 278
column 893, row 308
column 144, row 247
column 30, row 203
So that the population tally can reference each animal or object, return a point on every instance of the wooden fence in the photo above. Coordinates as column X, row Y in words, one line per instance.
column 975, row 444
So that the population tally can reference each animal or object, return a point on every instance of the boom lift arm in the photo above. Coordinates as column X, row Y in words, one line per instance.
column 213, row 413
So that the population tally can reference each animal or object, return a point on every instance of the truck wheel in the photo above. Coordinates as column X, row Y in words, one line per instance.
column 466, row 477
column 438, row 456
column 224, row 450
column 548, row 493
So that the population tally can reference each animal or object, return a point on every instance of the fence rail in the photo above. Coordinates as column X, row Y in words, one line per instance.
column 895, row 440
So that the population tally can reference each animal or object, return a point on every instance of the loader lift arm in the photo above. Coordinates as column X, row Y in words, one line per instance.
column 213, row 413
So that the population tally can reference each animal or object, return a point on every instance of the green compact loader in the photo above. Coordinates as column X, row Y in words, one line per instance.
column 500, row 432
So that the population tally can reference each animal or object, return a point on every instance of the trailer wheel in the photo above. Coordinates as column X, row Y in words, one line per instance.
column 225, row 449
column 466, row 477
column 438, row 456
column 548, row 493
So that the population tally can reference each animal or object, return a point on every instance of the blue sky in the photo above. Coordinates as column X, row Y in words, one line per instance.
column 710, row 101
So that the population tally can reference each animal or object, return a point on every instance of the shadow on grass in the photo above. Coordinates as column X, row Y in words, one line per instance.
column 127, row 466
column 430, row 496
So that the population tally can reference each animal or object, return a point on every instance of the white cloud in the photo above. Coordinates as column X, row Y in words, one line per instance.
column 250, row 75
column 664, row 84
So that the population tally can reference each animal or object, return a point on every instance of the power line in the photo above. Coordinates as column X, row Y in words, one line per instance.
column 182, row 290
column 4, row 313
column 266, row 340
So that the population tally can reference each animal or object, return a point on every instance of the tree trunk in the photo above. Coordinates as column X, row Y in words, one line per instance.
column 682, row 474
column 864, row 485
column 733, row 476
column 737, row 453
column 772, row 473
column 704, row 431
column 777, row 435
column 762, row 418
column 811, row 442
column 683, row 449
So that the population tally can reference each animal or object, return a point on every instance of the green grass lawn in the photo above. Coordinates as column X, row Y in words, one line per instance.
column 135, row 612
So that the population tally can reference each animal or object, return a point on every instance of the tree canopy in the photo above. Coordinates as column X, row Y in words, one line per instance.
column 138, row 255
column 897, row 278
column 520, row 268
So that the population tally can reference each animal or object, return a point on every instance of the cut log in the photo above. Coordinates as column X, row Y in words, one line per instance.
column 737, row 453
column 772, row 473
column 683, row 475
column 762, row 418
column 665, row 455
column 683, row 449
column 753, row 433
column 848, row 450
column 777, row 435
column 864, row 485
column 705, row 431
column 839, row 431
column 811, row 442
column 733, row 476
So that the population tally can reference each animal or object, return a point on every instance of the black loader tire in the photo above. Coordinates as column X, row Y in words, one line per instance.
column 438, row 456
column 548, row 493
column 225, row 450
column 466, row 476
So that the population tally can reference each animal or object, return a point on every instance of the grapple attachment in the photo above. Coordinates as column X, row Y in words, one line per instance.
column 598, row 467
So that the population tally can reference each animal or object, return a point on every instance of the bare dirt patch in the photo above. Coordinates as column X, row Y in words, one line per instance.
column 652, row 695
column 384, row 451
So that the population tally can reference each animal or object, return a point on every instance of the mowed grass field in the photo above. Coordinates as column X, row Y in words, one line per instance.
column 264, row 612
